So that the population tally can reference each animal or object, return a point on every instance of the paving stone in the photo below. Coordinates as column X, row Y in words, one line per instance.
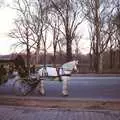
column 32, row 113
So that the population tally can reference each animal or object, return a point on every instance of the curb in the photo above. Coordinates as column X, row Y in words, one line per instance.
column 46, row 102
column 95, row 75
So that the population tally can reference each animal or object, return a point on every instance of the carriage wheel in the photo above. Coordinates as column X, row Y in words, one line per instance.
column 20, row 87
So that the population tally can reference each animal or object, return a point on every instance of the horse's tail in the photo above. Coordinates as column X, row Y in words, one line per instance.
column 42, row 73
column 39, row 74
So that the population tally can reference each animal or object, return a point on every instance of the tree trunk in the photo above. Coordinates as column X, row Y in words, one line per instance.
column 69, row 49
column 91, row 68
column 28, row 53
column 91, row 62
column 111, row 58
column 119, row 58
column 37, row 50
column 101, row 63
column 97, row 29
column 60, row 53
column 37, row 56
column 54, row 56
column 96, row 63
column 68, row 34
column 28, row 60
column 45, row 55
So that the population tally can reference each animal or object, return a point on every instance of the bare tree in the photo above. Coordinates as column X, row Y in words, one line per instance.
column 32, row 17
column 54, row 24
column 77, row 46
column 116, row 22
column 91, row 37
column 22, row 29
column 98, row 13
column 69, row 13
column 39, row 21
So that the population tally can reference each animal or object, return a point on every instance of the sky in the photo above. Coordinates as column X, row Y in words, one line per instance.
column 7, row 16
column 6, row 19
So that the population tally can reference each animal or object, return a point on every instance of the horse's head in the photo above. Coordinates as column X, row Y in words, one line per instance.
column 75, row 65
column 70, row 66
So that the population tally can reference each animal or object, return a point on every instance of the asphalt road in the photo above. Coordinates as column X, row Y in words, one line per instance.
column 79, row 87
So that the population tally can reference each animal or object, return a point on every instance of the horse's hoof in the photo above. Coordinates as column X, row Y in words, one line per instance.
column 42, row 94
column 60, row 80
column 65, row 95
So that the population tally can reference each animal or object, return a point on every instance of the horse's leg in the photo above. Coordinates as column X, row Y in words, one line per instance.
column 40, row 87
column 65, row 85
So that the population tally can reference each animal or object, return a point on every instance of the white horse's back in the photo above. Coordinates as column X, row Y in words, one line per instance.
column 51, row 71
column 66, row 68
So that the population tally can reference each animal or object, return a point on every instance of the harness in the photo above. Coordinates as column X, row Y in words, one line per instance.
column 62, row 72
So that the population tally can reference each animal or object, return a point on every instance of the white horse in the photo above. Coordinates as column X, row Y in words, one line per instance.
column 64, row 73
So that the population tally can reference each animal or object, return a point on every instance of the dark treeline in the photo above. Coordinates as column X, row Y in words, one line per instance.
column 111, row 62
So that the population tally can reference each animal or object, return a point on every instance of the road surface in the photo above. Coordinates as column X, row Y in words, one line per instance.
column 79, row 87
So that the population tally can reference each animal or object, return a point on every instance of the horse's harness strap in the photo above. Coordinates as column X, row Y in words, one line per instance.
column 63, row 74
column 66, row 75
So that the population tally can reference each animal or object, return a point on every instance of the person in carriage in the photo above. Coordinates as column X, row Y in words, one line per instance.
column 3, row 74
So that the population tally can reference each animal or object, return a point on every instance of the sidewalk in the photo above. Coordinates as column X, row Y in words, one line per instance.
column 46, row 108
column 33, row 113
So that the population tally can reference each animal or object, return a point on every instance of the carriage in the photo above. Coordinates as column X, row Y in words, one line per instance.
column 23, row 86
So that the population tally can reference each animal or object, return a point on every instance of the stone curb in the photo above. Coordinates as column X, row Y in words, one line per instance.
column 95, row 75
column 87, row 104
